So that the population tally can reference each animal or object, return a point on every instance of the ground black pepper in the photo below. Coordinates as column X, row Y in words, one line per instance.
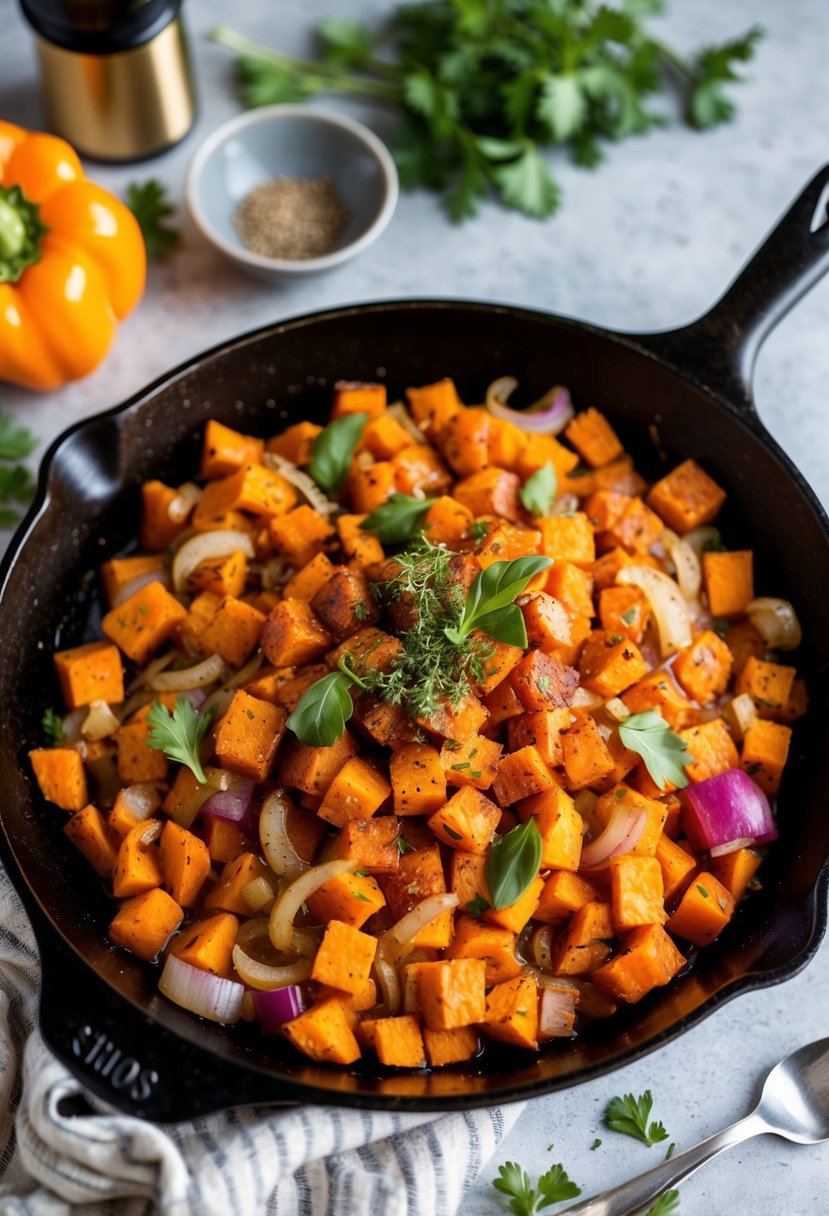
column 292, row 217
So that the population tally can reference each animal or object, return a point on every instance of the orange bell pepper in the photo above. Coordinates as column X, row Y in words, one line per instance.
column 72, row 262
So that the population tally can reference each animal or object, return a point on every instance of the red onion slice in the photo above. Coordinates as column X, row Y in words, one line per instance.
column 620, row 836
column 278, row 1006
column 201, row 992
column 727, row 812
column 236, row 804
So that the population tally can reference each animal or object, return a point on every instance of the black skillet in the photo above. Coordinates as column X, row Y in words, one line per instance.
column 671, row 395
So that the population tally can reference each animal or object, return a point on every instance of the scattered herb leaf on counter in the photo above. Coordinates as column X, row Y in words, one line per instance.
column 16, row 482
column 666, row 1205
column 631, row 1117
column 664, row 752
column 149, row 204
column 178, row 734
column 333, row 449
column 481, row 88
column 554, row 1186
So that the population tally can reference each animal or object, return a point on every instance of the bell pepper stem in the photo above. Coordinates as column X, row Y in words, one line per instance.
column 12, row 231
column 21, row 233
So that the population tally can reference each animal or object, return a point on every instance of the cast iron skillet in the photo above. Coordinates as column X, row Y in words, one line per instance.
column 672, row 395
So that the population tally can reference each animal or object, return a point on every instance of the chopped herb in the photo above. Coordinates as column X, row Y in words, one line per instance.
column 713, row 543
column 474, row 773
column 512, row 863
column 702, row 890
column 451, row 832
column 670, row 1151
column 452, row 745
column 539, row 490
column 720, row 626
column 630, row 616
column 666, row 1205
column 596, row 1144
column 477, row 906
column 359, row 895
column 360, row 873
column 554, row 1186
column 622, row 793
column 53, row 728
column 664, row 752
column 179, row 734
column 16, row 442
column 614, row 639
column 399, row 519
column 478, row 530
column 631, row 1116
column 458, row 768
column 544, row 684
column 16, row 483
column 360, row 610
column 403, row 846
column 149, row 204
column 333, row 450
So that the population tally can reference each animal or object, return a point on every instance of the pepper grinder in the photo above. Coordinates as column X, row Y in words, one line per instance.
column 115, row 73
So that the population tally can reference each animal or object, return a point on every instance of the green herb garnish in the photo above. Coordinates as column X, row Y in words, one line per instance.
column 333, row 450
column 596, row 1144
column 666, row 1205
column 512, row 863
column 713, row 543
column 398, row 520
column 53, row 728
column 631, row 1116
column 478, row 530
column 664, row 752
column 149, row 204
column 323, row 710
column 629, row 617
column 477, row 906
column 178, row 734
column 16, row 442
column 16, row 482
column 404, row 847
column 482, row 88
column 489, row 605
column 525, row 1199
column 539, row 490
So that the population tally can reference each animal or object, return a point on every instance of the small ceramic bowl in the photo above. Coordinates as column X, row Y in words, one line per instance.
column 291, row 141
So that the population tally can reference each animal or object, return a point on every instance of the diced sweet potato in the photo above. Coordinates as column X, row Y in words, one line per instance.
column 417, row 779
column 293, row 635
column 610, row 664
column 119, row 572
column 350, row 898
column 586, row 756
column 593, row 438
column 657, row 690
column 563, row 894
column 345, row 604
column 520, row 775
column 344, row 958
column 736, row 870
column 515, row 916
column 372, row 843
column 768, row 684
column 356, row 792
column 638, row 895
column 729, row 581
column 491, row 491
column 142, row 622
column 560, row 825
column 765, row 750
column 323, row 1033
column 60, row 774
column 144, row 923
column 88, row 832
column 632, row 800
column 158, row 528
column 295, row 443
column 229, row 892
column 447, row 521
column 547, row 621
column 712, row 749
column 300, row 535
column 703, row 912
column 568, row 538
column 361, row 547
column 496, row 946
column 310, row 579
column 624, row 610
column 512, row 1012
column 648, row 959
column 137, row 866
column 474, row 762
column 542, row 682
column 248, row 735
column 225, row 450
column 455, row 722
column 93, row 672
column 467, row 821
column 208, row 943
column 703, row 669
column 452, row 993
column 677, row 866
column 185, row 863
column 686, row 498
column 398, row 1041
column 450, row 1046
column 137, row 761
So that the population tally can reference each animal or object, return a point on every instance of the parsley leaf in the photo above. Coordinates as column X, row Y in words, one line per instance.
column 555, row 1186
column 664, row 752
column 178, row 734
column 52, row 724
column 16, row 442
column 714, row 67
column 333, row 450
column 666, row 1205
column 477, row 906
column 398, row 519
column 512, row 863
column 539, row 490
column 526, row 1199
column 149, row 204
column 631, row 1116
column 323, row 710
column 16, row 483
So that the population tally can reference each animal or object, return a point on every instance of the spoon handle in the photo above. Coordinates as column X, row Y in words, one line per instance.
column 631, row 1196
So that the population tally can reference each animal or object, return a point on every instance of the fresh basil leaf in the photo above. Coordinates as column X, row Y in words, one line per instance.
column 539, row 490
column 333, row 450
column 505, row 625
column 398, row 520
column 495, row 588
column 512, row 863
column 664, row 752
column 323, row 710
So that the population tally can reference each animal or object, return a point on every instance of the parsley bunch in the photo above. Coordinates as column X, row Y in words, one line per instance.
column 483, row 85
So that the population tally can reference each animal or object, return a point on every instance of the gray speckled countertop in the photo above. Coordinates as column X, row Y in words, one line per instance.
column 647, row 242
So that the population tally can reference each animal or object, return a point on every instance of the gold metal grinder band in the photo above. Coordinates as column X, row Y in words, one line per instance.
column 122, row 106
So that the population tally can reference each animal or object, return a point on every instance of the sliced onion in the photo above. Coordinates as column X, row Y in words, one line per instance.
column 673, row 620
column 144, row 676
column 726, row 813
column 400, row 414
column 276, row 573
column 547, row 416
column 149, row 832
column 263, row 978
column 140, row 581
column 247, row 672
column 568, row 504
column 252, row 930
column 584, row 699
column 199, row 676
column 388, row 981
column 259, row 894
column 236, row 803
column 141, row 800
column 557, row 1011
column 305, row 484
column 294, row 896
column 277, row 846
column 687, row 564
column 278, row 1006
column 202, row 547
column 72, row 723
column 393, row 942
column 617, row 709
column 620, row 836
column 776, row 620
column 584, row 802
column 698, row 538
column 185, row 814
column 99, row 722
column 201, row 992
column 186, row 498
column 741, row 713
column 541, row 945
column 221, row 698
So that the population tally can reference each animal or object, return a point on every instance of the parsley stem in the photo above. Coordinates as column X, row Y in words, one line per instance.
column 674, row 60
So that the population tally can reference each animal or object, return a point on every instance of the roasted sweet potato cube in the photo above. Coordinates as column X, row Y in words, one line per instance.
column 229, row 892
column 768, row 684
column 593, row 438
column 638, row 895
column 609, row 664
column 355, row 397
column 563, row 894
column 496, row 946
column 158, row 528
column 88, row 833
column 505, row 541
column 356, row 792
column 418, row 781
column 144, row 621
column 512, row 1012
column 703, row 912
column 137, row 865
column 350, row 898
column 520, row 775
column 547, row 621
column 310, row 579
column 452, row 993
column 208, row 943
column 344, row 958
column 93, row 672
column 490, row 491
column 474, row 762
column 765, row 750
column 515, row 916
column 224, row 576
column 323, row 1032
column 450, row 1046
column 568, row 538
column 144, row 923
column 225, row 450
column 712, row 749
column 572, row 586
column 502, row 704
column 648, row 959
column 312, row 769
column 345, row 604
column 419, row 875
column 560, row 825
column 432, row 405
column 137, row 761
column 258, row 490
column 729, row 581
column 703, row 668
column 458, row 722
column 294, row 635
column 384, row 723
column 636, row 529
column 370, row 842
column 248, row 735
column 677, row 866
column 467, row 821
column 60, row 774
column 736, row 870
column 624, row 610
column 447, row 521
column 686, row 498
column 464, row 441
column 586, row 756
column 185, row 863
column 370, row 485
column 468, row 879
column 398, row 1041
column 542, row 730
column 657, row 690
column 360, row 547
column 300, row 535
column 369, row 649
column 295, row 442
column 542, row 682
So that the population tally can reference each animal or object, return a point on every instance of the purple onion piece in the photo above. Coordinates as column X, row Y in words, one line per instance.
column 278, row 1006
column 727, row 809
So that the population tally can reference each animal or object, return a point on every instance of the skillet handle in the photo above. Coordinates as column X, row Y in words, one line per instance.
column 719, row 349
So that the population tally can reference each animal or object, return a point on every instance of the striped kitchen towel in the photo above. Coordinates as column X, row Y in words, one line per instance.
column 63, row 1152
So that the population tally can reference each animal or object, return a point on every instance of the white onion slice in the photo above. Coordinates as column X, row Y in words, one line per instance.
column 583, row 698
column 281, row 925
column 142, row 799
column 279, row 851
column 251, row 930
column 741, row 713
column 72, row 724
column 99, row 722
column 698, row 538
column 687, row 564
column 776, row 620
column 400, row 414
column 140, row 581
column 617, row 709
column 673, row 620
column 205, row 545
column 199, row 676
column 258, row 894
column 302, row 481
column 264, row 978
column 393, row 942
column 247, row 672
column 146, row 674
column 186, row 498
column 276, row 573
column 201, row 992
column 620, row 836
column 388, row 982
column 556, row 1011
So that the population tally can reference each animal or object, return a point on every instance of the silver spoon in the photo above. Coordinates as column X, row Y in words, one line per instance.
column 794, row 1104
